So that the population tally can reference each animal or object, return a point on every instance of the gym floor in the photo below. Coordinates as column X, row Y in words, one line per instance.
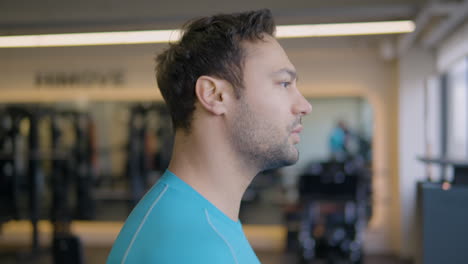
column 98, row 255
column 97, row 240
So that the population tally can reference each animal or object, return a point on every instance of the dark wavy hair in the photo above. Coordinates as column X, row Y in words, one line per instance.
column 209, row 46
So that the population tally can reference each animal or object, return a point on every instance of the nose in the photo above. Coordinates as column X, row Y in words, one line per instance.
column 301, row 107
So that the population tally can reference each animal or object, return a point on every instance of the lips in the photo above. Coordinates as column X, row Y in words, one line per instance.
column 295, row 134
column 297, row 130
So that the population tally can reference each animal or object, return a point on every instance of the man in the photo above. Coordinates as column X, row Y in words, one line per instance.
column 338, row 141
column 231, row 91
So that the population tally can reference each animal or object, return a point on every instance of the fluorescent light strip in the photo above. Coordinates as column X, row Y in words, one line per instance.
column 90, row 39
column 165, row 36
column 344, row 29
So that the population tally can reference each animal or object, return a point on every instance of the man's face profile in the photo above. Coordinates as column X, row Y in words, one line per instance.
column 266, row 122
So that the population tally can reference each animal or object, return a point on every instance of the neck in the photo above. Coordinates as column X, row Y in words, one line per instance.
column 209, row 165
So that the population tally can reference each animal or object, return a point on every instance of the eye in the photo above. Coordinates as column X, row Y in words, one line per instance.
column 285, row 84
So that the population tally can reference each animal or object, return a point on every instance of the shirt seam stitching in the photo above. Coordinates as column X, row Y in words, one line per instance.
column 222, row 237
column 142, row 223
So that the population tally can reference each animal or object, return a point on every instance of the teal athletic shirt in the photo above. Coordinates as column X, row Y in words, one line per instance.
column 175, row 224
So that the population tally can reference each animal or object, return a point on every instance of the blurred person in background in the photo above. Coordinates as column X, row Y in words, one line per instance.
column 338, row 141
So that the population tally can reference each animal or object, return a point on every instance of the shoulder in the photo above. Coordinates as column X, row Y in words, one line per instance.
column 164, row 209
column 170, row 227
column 179, row 240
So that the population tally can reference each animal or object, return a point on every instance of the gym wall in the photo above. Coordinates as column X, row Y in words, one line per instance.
column 328, row 67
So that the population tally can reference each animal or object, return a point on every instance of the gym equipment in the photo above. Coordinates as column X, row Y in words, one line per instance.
column 140, row 159
column 334, row 197
column 442, row 216
column 46, row 149
column 442, row 235
column 19, row 166
column 9, row 165
column 460, row 169
column 23, row 167
column 66, row 248
column 83, row 155
column 35, row 176
column 79, row 159
column 136, row 165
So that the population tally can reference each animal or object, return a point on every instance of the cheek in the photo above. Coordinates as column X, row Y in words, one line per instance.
column 272, row 103
column 269, row 104
column 275, row 124
column 278, row 109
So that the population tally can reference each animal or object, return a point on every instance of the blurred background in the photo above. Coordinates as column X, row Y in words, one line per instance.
column 383, row 169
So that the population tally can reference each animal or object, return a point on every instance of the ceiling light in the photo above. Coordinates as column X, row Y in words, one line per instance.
column 90, row 39
column 164, row 36
column 344, row 29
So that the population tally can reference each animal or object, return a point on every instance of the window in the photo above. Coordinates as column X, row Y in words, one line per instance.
column 457, row 109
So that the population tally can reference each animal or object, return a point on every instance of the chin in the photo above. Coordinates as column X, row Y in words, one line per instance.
column 294, row 155
column 291, row 157
column 287, row 160
column 292, row 161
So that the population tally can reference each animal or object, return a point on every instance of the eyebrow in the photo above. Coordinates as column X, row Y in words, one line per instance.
column 290, row 72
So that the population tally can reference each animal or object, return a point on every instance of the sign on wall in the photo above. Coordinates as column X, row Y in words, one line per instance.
column 85, row 78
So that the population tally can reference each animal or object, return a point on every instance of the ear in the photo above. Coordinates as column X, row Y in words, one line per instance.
column 211, row 93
